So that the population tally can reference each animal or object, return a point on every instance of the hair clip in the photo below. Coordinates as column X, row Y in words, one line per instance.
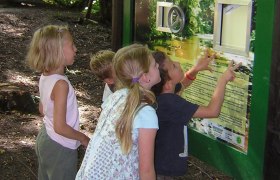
column 135, row 80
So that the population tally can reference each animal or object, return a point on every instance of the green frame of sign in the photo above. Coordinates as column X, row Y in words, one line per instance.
column 215, row 153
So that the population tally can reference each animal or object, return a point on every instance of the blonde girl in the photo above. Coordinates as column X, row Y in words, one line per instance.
column 101, row 66
column 122, row 146
column 50, row 51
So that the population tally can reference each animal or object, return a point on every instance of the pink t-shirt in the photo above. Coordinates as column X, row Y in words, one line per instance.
column 46, row 85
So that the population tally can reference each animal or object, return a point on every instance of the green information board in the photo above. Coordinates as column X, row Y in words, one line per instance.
column 234, row 142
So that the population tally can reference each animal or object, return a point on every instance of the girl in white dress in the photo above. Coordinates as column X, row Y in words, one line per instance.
column 122, row 146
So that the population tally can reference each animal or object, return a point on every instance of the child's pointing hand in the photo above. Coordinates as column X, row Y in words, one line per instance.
column 229, row 74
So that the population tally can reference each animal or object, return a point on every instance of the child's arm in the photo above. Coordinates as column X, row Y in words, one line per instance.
column 214, row 107
column 201, row 65
column 59, row 96
column 146, row 146
column 41, row 110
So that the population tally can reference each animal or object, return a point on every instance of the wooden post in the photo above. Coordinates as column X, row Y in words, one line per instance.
column 117, row 24
column 272, row 149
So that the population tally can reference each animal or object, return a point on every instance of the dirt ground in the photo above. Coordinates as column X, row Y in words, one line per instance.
column 18, row 129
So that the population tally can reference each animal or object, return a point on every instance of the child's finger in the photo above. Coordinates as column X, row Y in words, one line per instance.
column 210, row 69
column 230, row 64
column 236, row 66
column 212, row 57
column 206, row 51
column 205, row 54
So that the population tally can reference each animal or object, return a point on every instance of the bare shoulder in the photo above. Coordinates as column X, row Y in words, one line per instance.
column 61, row 84
column 60, row 89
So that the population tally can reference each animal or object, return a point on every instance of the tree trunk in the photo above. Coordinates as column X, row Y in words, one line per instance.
column 89, row 9
column 117, row 24
column 106, row 10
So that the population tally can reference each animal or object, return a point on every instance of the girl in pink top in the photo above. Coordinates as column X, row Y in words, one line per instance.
column 50, row 51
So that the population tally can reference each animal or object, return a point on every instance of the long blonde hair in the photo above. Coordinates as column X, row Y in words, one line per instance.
column 46, row 48
column 131, row 62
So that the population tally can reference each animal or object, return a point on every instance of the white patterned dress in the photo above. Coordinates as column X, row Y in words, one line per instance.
column 103, row 158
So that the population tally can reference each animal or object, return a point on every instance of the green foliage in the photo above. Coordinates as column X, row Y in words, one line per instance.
column 95, row 7
column 253, row 26
column 191, row 9
column 49, row 2
column 155, row 37
column 206, row 17
column 252, row 41
column 66, row 3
